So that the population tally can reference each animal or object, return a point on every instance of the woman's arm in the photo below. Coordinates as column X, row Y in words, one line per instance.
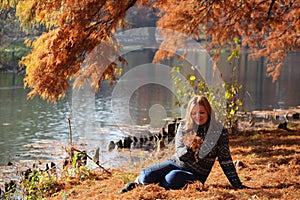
column 183, row 141
column 225, row 160
column 180, row 147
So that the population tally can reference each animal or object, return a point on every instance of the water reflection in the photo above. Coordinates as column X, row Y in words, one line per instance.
column 146, row 100
column 27, row 124
column 34, row 122
column 23, row 122
column 259, row 91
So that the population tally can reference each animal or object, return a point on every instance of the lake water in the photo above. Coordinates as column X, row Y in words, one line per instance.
column 35, row 129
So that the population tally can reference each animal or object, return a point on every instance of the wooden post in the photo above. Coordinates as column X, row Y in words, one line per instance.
column 70, row 135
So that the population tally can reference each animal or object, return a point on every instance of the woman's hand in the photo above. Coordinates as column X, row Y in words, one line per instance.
column 193, row 144
column 191, row 140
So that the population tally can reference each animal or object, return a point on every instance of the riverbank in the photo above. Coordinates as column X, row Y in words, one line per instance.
column 271, row 168
column 268, row 162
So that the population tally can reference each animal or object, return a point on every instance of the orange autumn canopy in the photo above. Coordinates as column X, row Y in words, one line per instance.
column 267, row 28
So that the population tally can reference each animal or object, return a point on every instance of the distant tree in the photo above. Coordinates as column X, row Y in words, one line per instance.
column 8, row 24
column 12, row 37
column 143, row 17
column 267, row 28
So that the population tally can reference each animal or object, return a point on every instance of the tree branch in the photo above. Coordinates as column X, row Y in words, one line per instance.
column 84, row 153
column 270, row 8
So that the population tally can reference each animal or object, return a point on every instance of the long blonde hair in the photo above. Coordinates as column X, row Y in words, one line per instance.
column 197, row 100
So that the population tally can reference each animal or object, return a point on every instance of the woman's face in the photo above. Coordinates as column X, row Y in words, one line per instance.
column 199, row 115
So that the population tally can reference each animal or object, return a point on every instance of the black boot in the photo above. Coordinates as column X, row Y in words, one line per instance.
column 129, row 186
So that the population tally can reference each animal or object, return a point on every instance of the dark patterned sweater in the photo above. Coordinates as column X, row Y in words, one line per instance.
column 185, row 159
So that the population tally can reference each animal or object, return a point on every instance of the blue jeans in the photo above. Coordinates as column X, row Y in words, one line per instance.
column 167, row 175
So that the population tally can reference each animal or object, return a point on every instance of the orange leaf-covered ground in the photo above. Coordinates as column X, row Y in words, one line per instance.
column 272, row 171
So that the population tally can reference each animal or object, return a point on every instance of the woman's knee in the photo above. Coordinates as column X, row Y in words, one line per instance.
column 143, row 177
column 155, row 173
column 177, row 179
column 147, row 176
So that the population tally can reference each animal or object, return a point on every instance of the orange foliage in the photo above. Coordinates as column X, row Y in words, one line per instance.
column 78, row 27
column 266, row 27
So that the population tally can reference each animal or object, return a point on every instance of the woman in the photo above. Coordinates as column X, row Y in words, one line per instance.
column 194, row 158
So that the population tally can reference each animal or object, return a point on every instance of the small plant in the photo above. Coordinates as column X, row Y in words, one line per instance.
column 232, row 89
column 10, row 189
column 38, row 184
column 190, row 85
